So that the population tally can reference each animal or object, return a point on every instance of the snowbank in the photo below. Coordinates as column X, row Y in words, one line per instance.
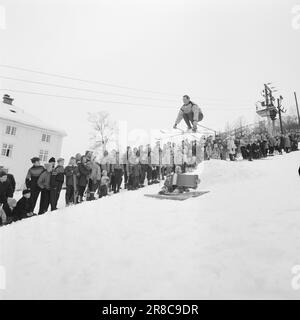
column 238, row 241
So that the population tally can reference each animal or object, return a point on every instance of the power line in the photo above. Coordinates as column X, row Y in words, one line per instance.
column 83, row 99
column 83, row 80
column 106, row 101
column 88, row 90
column 81, row 89
column 103, row 83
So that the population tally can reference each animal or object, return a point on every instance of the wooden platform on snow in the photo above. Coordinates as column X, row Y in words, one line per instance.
column 177, row 196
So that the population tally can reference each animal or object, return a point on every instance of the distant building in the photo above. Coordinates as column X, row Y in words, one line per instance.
column 23, row 136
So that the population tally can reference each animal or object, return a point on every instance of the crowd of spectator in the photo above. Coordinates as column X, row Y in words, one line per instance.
column 249, row 147
column 88, row 177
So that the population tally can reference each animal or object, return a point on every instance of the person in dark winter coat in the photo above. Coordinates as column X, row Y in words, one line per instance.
column 23, row 207
column 243, row 147
column 144, row 160
column 56, row 183
column 83, row 178
column 32, row 178
column 10, row 178
column 282, row 139
column 125, row 163
column 6, row 190
column 72, row 173
column 250, row 148
column 12, row 181
column 256, row 149
column 44, row 185
column 287, row 143
column 132, row 169
column 272, row 143
column 116, row 174
column 278, row 145
column 136, row 169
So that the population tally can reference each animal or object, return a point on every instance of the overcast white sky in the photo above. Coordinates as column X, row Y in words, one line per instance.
column 220, row 52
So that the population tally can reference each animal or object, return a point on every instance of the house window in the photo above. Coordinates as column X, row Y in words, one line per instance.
column 44, row 155
column 11, row 130
column 46, row 137
column 6, row 150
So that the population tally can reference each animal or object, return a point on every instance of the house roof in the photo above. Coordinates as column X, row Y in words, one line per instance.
column 18, row 115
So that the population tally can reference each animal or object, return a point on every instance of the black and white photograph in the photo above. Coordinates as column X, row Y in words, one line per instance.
column 149, row 151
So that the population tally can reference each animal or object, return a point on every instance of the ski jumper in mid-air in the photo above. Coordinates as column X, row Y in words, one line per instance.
column 190, row 112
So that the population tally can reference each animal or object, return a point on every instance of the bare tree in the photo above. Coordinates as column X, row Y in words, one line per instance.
column 228, row 128
column 260, row 127
column 240, row 123
column 104, row 129
column 290, row 123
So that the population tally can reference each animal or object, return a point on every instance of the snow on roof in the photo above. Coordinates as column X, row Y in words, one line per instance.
column 16, row 114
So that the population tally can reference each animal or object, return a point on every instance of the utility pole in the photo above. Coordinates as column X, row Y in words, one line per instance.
column 266, row 95
column 269, row 105
column 269, row 110
column 279, row 113
column 297, row 108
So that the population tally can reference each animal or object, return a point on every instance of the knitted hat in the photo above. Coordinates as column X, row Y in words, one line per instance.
column 51, row 160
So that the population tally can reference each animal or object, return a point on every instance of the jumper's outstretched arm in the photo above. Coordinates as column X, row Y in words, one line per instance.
column 179, row 117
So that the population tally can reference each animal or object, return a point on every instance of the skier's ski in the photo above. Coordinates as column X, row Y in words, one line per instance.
column 201, row 126
column 174, row 131
column 170, row 134
column 180, row 132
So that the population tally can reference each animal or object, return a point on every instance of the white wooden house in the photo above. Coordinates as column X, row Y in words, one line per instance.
column 22, row 137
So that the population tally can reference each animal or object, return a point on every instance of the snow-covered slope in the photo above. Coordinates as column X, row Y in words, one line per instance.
column 241, row 240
